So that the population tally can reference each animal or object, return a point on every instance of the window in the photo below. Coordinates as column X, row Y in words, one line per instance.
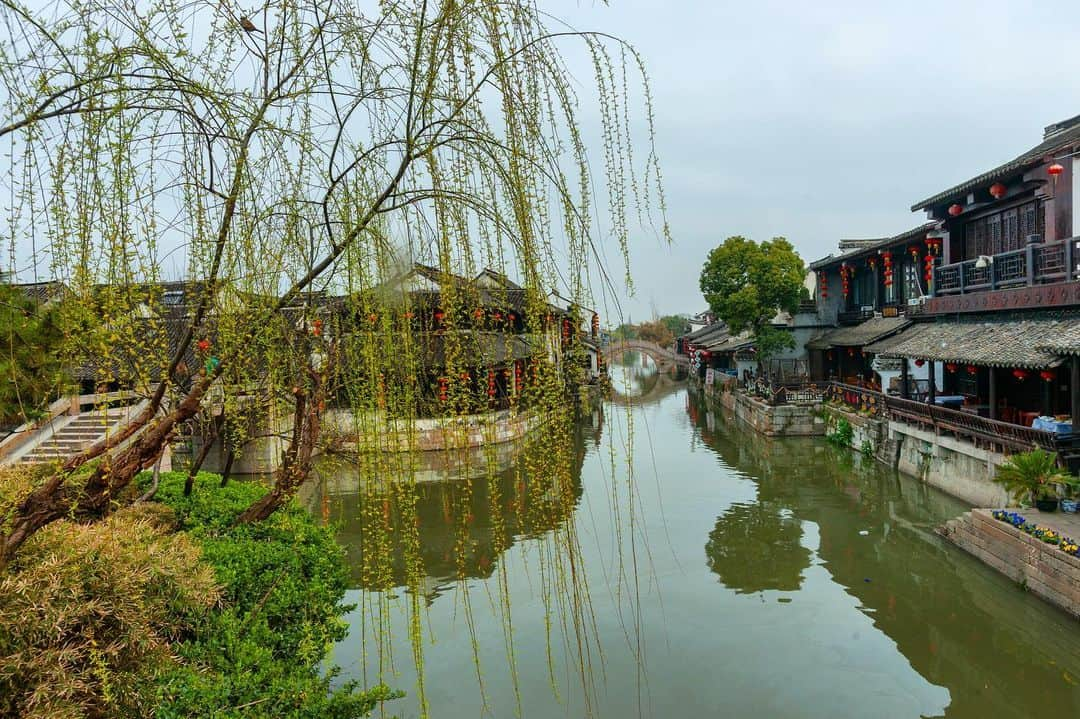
column 912, row 288
column 1003, row 231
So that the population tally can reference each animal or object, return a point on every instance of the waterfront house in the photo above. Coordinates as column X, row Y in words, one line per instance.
column 1003, row 303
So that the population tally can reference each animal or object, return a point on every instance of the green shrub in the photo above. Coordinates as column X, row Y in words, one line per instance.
column 843, row 433
column 283, row 581
column 1031, row 475
column 89, row 614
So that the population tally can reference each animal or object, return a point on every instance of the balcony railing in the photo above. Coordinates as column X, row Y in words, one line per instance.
column 1038, row 263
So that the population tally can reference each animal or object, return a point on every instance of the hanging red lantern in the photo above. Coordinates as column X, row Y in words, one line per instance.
column 955, row 210
column 997, row 190
column 920, row 362
column 1020, row 374
column 316, row 328
column 850, row 351
column 972, row 369
column 478, row 313
column 1055, row 169
column 203, row 345
column 1047, row 375
column 951, row 366
column 829, row 355
column 491, row 383
column 444, row 385
column 871, row 262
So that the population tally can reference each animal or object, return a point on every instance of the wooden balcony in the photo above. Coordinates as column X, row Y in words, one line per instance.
column 1041, row 274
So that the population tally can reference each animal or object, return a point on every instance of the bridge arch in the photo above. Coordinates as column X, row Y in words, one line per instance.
column 664, row 357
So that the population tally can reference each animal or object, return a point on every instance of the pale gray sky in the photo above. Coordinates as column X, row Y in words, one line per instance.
column 822, row 120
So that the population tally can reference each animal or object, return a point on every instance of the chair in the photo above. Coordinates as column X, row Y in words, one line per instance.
column 1007, row 414
column 1026, row 418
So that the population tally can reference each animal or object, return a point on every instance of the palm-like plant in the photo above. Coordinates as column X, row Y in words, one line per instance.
column 1032, row 474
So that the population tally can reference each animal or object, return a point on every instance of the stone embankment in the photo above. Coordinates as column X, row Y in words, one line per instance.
column 1042, row 568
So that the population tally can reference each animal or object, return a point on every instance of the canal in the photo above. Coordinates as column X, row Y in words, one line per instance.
column 699, row 570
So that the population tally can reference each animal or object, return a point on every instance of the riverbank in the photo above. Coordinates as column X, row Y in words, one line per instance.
column 960, row 468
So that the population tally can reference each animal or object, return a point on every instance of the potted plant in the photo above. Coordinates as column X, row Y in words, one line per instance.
column 1070, row 487
column 1033, row 476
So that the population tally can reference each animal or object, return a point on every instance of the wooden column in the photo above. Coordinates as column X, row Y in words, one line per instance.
column 992, row 383
column 932, row 385
column 904, row 379
column 1074, row 390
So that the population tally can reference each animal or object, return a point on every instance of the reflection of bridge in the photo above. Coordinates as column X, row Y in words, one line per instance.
column 662, row 386
column 664, row 358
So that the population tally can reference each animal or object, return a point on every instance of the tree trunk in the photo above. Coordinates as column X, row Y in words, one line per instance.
column 228, row 466
column 189, row 482
column 62, row 497
column 296, row 459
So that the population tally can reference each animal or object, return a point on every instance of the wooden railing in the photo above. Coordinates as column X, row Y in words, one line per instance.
column 860, row 399
column 1035, row 264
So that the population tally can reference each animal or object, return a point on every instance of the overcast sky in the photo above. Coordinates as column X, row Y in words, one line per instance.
column 823, row 120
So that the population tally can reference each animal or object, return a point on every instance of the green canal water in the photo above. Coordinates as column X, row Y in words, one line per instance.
column 733, row 577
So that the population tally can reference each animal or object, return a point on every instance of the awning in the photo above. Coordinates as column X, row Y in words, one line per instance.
column 1022, row 343
column 859, row 335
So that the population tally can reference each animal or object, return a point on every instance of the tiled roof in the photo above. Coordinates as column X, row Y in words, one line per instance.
column 707, row 333
column 1036, row 155
column 872, row 248
column 734, row 343
column 1021, row 343
column 861, row 334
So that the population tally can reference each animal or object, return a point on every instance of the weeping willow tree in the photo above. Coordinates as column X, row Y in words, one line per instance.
column 290, row 161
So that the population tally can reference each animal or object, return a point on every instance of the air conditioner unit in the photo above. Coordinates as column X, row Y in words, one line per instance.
column 915, row 301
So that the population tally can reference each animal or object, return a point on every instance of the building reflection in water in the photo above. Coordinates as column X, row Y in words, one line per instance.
column 436, row 518
column 956, row 621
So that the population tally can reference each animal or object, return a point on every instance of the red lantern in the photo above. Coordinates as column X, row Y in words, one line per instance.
column 972, row 369
column 203, row 345
column 951, row 366
column 1047, row 375
column 920, row 362
column 997, row 190
column 444, row 385
column 1020, row 374
column 850, row 351
column 955, row 210
column 829, row 354
column 316, row 328
column 1055, row 169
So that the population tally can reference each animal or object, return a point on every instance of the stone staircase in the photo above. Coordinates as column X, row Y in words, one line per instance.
column 76, row 434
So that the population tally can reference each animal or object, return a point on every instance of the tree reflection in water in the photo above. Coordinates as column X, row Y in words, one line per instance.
column 757, row 547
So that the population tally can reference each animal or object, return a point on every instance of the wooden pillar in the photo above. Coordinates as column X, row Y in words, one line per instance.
column 932, row 385
column 1074, row 389
column 992, row 384
column 1047, row 397
column 904, row 379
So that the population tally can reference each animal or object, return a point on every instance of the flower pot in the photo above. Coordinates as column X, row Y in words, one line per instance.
column 1070, row 505
column 1046, row 505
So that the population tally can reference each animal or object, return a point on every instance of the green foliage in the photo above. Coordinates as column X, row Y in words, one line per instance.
column 842, row 435
column 1032, row 475
column 746, row 284
column 283, row 582
column 867, row 449
column 30, row 365
column 88, row 614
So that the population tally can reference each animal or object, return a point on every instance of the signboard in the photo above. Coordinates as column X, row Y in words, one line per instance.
column 892, row 311
column 708, row 377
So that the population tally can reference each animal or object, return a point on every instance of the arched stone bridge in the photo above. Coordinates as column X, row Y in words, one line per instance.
column 664, row 358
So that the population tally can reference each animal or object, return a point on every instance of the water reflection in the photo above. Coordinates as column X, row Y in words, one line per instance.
column 462, row 510
column 960, row 625
column 757, row 546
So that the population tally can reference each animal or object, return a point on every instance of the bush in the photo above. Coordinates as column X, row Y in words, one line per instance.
column 168, row 609
column 843, row 434
column 88, row 613
column 283, row 582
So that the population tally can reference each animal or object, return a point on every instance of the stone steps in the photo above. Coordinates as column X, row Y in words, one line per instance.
column 77, row 435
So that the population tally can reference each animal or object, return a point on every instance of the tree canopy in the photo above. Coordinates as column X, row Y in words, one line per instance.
column 30, row 364
column 747, row 283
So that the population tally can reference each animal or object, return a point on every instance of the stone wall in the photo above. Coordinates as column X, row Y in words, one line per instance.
column 866, row 431
column 438, row 433
column 790, row 420
column 952, row 465
column 1042, row 568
